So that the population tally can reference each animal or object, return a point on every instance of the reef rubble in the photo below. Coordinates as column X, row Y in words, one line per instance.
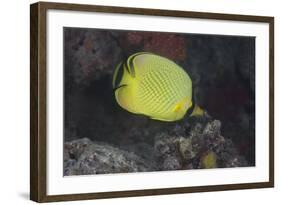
column 194, row 143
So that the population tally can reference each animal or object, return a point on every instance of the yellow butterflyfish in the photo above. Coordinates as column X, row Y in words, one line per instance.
column 154, row 86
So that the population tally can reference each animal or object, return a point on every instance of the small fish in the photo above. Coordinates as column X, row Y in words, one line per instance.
column 154, row 86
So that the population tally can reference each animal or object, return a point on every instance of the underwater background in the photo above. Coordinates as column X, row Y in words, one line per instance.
column 100, row 137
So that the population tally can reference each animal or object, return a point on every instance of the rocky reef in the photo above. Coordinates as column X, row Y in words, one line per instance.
column 83, row 156
column 194, row 144
column 101, row 137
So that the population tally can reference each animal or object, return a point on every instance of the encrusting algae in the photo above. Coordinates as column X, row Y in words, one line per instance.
column 209, row 160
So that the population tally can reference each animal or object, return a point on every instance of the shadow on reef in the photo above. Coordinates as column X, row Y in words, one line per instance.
column 101, row 137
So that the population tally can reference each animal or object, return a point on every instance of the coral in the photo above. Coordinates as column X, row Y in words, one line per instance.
column 195, row 143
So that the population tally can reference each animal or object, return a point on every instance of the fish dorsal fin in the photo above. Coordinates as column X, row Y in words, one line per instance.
column 131, row 65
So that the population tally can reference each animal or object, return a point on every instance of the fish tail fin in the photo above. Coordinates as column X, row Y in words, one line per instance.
column 197, row 111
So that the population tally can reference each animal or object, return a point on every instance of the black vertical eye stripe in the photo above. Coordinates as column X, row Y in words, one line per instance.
column 119, row 75
column 131, row 66
column 124, row 65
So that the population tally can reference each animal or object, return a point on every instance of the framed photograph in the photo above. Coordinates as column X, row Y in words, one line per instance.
column 134, row 102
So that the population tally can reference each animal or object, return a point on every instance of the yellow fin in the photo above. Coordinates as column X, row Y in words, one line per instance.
column 197, row 111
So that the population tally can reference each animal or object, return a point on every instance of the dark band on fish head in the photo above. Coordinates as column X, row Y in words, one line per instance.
column 125, row 66
column 118, row 76
column 130, row 66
